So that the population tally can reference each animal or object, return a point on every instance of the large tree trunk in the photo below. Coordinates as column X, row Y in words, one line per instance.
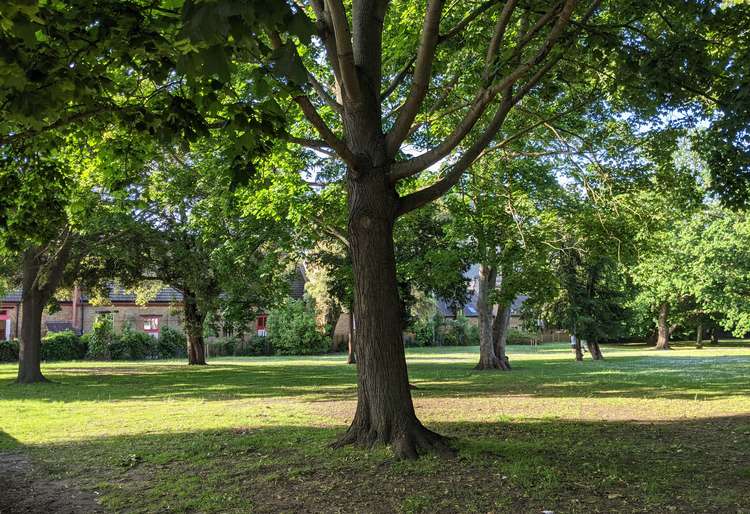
column 487, row 357
column 500, row 335
column 662, row 341
column 29, row 356
column 385, row 412
column 351, row 358
column 37, row 290
column 699, row 336
column 194, row 330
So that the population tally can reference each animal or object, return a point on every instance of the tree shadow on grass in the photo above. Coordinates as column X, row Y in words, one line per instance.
column 520, row 466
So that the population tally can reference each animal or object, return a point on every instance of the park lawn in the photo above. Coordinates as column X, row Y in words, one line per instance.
column 642, row 431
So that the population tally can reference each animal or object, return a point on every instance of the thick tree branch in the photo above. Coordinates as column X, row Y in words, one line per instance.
column 421, row 80
column 345, row 52
column 497, row 38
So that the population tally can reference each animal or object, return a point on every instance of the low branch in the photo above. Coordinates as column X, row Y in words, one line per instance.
column 308, row 109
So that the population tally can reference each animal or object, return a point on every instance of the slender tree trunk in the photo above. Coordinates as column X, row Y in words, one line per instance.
column 594, row 350
column 194, row 329
column 699, row 336
column 487, row 357
column 662, row 341
column 331, row 320
column 577, row 348
column 351, row 358
column 715, row 336
column 500, row 335
column 385, row 412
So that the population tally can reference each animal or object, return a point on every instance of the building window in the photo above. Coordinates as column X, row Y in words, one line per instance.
column 260, row 324
column 151, row 325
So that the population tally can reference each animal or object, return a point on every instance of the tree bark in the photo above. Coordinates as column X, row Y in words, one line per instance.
column 385, row 412
column 194, row 328
column 594, row 350
column 37, row 290
column 351, row 358
column 500, row 335
column 715, row 336
column 487, row 357
column 577, row 348
column 662, row 341
column 699, row 336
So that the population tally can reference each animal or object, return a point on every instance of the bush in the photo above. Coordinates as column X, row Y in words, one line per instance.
column 9, row 351
column 293, row 330
column 132, row 345
column 516, row 336
column 63, row 346
column 427, row 332
column 257, row 345
column 459, row 332
column 222, row 347
column 171, row 344
column 100, row 339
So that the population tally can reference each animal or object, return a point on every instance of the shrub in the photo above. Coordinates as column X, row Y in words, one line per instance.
column 171, row 344
column 428, row 332
column 100, row 338
column 293, row 330
column 222, row 347
column 256, row 345
column 9, row 351
column 516, row 336
column 132, row 345
column 63, row 346
column 459, row 332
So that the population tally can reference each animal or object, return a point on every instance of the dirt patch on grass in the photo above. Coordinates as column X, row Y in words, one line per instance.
column 24, row 491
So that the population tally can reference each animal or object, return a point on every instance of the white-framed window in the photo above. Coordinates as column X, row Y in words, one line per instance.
column 151, row 325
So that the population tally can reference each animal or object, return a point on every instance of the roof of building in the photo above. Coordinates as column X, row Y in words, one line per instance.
column 166, row 294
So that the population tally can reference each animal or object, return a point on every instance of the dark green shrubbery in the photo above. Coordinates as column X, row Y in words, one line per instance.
column 131, row 345
column 230, row 346
column 63, row 346
column 104, row 344
column 100, row 339
column 293, row 330
column 439, row 331
column 9, row 351
column 223, row 347
column 171, row 344
column 256, row 345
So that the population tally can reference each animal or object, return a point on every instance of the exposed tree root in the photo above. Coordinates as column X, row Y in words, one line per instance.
column 406, row 443
column 492, row 363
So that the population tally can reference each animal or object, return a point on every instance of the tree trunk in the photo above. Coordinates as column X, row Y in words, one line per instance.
column 715, row 336
column 29, row 356
column 662, row 341
column 487, row 357
column 351, row 358
column 500, row 335
column 577, row 348
column 36, row 293
column 594, row 350
column 194, row 328
column 331, row 320
column 699, row 336
column 385, row 412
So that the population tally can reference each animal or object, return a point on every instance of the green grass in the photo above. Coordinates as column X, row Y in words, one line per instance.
column 642, row 431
